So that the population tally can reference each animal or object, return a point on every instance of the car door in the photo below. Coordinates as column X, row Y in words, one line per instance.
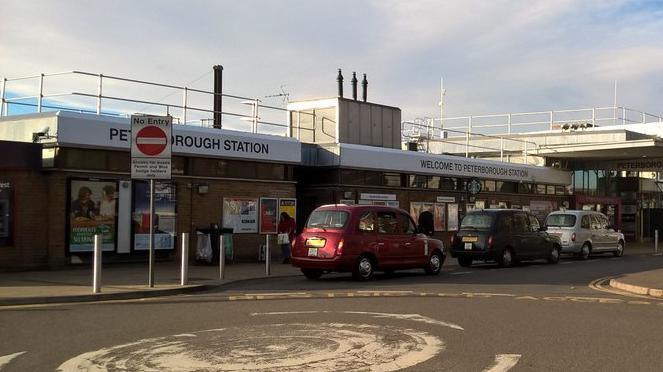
column 389, row 239
column 521, row 234
column 610, row 235
column 540, row 247
column 598, row 231
column 412, row 247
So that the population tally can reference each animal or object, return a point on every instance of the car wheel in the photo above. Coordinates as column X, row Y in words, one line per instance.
column 506, row 259
column 312, row 273
column 364, row 268
column 620, row 249
column 585, row 251
column 553, row 258
column 434, row 264
column 465, row 261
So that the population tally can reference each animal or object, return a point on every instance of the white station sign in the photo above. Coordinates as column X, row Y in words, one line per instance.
column 151, row 142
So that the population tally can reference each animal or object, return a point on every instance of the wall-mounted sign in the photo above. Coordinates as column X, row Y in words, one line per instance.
column 473, row 186
column 268, row 215
column 446, row 199
column 92, row 210
column 366, row 196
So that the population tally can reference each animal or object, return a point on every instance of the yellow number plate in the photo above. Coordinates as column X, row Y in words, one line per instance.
column 315, row 242
column 470, row 239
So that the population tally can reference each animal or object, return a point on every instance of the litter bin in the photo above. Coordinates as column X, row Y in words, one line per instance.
column 228, row 243
column 204, row 251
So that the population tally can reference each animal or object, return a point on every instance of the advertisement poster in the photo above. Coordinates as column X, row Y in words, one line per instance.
column 452, row 220
column 268, row 215
column 440, row 216
column 92, row 210
column 240, row 214
column 416, row 208
column 164, row 215
column 289, row 206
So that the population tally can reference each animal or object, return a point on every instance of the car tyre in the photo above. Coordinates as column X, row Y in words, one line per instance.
column 507, row 258
column 434, row 265
column 553, row 258
column 364, row 268
column 312, row 273
column 465, row 261
column 585, row 251
column 620, row 249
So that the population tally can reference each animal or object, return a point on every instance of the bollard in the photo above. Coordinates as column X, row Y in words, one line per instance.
column 222, row 259
column 96, row 270
column 184, row 280
column 268, row 257
column 656, row 241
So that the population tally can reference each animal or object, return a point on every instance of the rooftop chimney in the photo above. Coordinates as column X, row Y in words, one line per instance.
column 354, row 85
column 364, row 86
column 218, row 84
column 339, row 78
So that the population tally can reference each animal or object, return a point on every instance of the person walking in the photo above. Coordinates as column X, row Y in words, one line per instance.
column 286, row 230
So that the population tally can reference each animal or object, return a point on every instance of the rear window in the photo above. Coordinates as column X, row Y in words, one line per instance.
column 477, row 221
column 561, row 220
column 329, row 219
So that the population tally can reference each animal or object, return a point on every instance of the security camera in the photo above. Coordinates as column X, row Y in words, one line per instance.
column 42, row 133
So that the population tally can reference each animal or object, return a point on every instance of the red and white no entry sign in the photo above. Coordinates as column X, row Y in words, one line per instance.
column 151, row 140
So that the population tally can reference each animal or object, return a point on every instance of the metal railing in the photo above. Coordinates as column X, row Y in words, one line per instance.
column 424, row 132
column 262, row 118
column 522, row 122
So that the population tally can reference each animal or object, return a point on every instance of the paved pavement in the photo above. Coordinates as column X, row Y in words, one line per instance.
column 129, row 281
column 123, row 281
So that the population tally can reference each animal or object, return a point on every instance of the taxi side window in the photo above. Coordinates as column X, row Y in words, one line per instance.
column 405, row 224
column 367, row 222
column 506, row 223
column 534, row 223
column 595, row 221
column 584, row 222
column 520, row 223
column 387, row 223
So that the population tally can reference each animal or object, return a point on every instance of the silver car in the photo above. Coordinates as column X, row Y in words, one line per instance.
column 585, row 232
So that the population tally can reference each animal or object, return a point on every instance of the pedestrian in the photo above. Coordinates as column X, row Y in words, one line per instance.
column 426, row 223
column 286, row 229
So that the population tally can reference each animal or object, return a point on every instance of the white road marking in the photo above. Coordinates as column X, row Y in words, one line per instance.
column 5, row 359
column 274, row 294
column 273, row 347
column 461, row 272
column 412, row 317
column 503, row 362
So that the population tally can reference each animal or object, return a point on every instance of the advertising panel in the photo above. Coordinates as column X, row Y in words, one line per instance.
column 440, row 216
column 92, row 210
column 165, row 216
column 289, row 206
column 240, row 214
column 452, row 219
column 268, row 215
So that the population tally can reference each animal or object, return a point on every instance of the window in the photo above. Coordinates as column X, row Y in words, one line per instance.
column 506, row 223
column 489, row 185
column 448, row 183
column 406, row 225
column 387, row 223
column 433, row 182
column 584, row 222
column 417, row 181
column 533, row 223
column 595, row 221
column 550, row 190
column 540, row 189
column 520, row 223
column 327, row 219
column 367, row 222
column 561, row 220
column 392, row 179
column 477, row 221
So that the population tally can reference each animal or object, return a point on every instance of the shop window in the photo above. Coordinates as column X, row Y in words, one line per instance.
column 417, row 181
column 526, row 188
column 448, row 184
column 559, row 190
column 550, row 190
column 372, row 178
column 541, row 189
column 489, row 185
column 433, row 182
column 352, row 177
column 461, row 184
column 83, row 159
column 508, row 187
column 391, row 179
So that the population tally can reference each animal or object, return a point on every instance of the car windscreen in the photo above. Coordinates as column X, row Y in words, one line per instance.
column 477, row 221
column 561, row 220
column 327, row 219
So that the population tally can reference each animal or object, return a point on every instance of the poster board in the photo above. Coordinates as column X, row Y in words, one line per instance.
column 92, row 210
column 165, row 215
column 452, row 217
column 240, row 214
column 269, row 215
column 289, row 206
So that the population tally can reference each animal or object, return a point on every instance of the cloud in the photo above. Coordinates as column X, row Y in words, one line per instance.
column 496, row 56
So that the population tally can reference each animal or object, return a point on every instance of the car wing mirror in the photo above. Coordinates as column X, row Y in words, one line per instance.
column 543, row 228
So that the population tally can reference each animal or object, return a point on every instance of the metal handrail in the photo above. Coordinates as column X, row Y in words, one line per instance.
column 40, row 97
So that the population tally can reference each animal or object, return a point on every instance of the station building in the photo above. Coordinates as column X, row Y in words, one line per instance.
column 65, row 176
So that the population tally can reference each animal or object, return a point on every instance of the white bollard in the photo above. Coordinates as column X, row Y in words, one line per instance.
column 184, row 276
column 268, row 257
column 222, row 259
column 96, row 268
column 656, row 241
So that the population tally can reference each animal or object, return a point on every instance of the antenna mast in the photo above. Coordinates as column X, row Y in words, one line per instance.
column 442, row 103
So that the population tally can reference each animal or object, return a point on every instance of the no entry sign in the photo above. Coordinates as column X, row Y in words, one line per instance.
column 151, row 147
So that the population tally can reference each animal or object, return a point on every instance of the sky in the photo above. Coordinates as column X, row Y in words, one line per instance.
column 495, row 56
